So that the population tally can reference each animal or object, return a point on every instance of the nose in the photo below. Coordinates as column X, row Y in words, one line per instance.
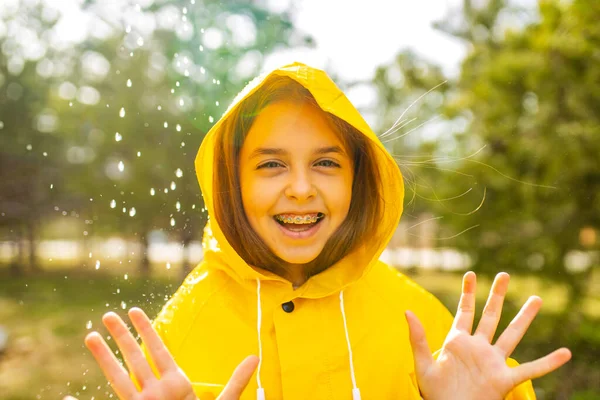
column 300, row 187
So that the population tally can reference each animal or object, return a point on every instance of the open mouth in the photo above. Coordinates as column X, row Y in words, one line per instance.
column 299, row 223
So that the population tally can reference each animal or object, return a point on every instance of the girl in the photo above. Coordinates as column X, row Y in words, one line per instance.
column 303, row 198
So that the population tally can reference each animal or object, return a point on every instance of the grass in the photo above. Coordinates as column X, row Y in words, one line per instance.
column 47, row 316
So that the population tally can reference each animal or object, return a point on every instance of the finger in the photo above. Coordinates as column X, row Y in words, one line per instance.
column 156, row 348
column 512, row 335
column 239, row 379
column 418, row 342
column 493, row 307
column 466, row 306
column 541, row 366
column 111, row 367
column 132, row 353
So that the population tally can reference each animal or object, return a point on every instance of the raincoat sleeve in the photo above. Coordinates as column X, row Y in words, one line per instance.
column 437, row 323
column 174, row 320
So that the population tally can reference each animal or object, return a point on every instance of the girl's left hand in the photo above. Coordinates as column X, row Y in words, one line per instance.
column 470, row 366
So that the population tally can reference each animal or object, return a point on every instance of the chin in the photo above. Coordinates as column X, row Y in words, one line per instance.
column 298, row 258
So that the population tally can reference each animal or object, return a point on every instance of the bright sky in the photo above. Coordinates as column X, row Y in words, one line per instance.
column 354, row 37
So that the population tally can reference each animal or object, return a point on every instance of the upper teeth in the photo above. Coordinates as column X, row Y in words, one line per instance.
column 297, row 219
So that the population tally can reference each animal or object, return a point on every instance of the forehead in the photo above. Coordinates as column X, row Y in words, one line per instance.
column 291, row 125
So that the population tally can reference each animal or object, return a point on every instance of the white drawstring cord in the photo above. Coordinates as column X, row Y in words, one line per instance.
column 260, row 392
column 355, row 390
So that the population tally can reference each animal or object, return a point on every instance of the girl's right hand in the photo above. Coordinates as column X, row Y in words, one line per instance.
column 172, row 384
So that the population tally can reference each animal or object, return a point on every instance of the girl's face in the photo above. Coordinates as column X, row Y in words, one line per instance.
column 296, row 180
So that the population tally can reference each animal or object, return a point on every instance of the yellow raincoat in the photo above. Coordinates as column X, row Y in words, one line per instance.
column 343, row 329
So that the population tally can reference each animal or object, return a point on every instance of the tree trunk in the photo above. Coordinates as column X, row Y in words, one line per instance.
column 186, row 265
column 144, row 267
column 31, row 237
column 16, row 265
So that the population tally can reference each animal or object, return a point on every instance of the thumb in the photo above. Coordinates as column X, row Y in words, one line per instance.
column 418, row 342
column 240, row 378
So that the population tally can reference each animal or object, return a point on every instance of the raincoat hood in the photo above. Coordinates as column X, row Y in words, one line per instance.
column 355, row 265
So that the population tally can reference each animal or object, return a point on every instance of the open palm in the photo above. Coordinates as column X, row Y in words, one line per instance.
column 469, row 366
column 171, row 382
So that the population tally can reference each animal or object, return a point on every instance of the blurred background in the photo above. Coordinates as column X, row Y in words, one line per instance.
column 491, row 107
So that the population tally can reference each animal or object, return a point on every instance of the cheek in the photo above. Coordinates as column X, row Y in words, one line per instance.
column 257, row 197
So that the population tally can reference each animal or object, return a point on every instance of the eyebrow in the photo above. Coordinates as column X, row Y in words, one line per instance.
column 270, row 151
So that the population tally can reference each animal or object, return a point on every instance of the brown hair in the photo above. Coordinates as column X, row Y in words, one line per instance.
column 365, row 210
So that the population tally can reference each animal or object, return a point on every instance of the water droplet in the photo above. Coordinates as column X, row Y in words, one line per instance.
column 140, row 41
column 166, row 190
column 97, row 264
column 45, row 154
column 168, row 265
column 121, row 166
column 118, row 137
column 177, row 83
column 1, row 124
column 29, row 147
column 132, row 212
column 124, row 210
column 90, row 255
column 152, row 192
column 159, row 108
column 182, row 144
column 211, row 119
column 128, row 82
column 123, row 305
column 89, row 325
column 172, row 91
column 179, row 173
column 139, row 153
column 181, row 102
column 178, row 206
column 52, row 186
column 166, row 124
column 125, row 276
column 172, row 221
column 128, row 28
column 178, row 128
column 217, row 103
column 113, row 203
column 122, row 112
column 202, row 70
column 173, row 185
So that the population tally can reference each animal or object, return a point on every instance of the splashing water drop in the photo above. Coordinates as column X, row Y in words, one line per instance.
column 132, row 212
column 118, row 137
column 211, row 119
column 179, row 173
column 121, row 166
column 88, row 325
column 97, row 264
column 178, row 206
column 172, row 221
column 113, row 203
column 152, row 192
column 173, row 185
column 123, row 305
column 122, row 112
column 128, row 82
column 178, row 128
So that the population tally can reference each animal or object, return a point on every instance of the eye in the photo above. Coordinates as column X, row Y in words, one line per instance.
column 270, row 165
column 327, row 163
